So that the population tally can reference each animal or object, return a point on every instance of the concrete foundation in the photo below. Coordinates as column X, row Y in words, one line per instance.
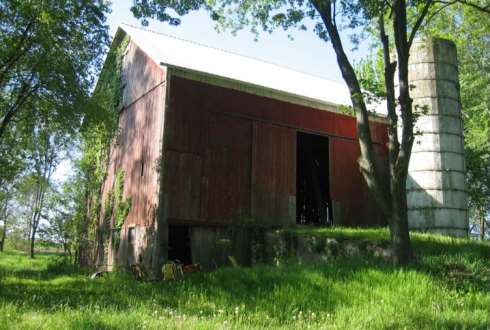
column 436, row 195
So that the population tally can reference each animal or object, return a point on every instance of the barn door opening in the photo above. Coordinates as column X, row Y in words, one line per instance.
column 179, row 244
column 313, row 205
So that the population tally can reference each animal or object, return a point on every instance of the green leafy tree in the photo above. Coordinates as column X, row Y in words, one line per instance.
column 44, row 155
column 48, row 49
column 49, row 52
column 5, row 216
column 396, row 31
column 57, row 228
column 8, row 182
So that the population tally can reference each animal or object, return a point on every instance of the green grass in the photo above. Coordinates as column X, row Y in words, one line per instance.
column 447, row 287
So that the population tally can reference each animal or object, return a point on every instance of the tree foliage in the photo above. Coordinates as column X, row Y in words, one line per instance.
column 49, row 52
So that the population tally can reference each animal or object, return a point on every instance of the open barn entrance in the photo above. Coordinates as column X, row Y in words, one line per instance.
column 179, row 244
column 313, row 204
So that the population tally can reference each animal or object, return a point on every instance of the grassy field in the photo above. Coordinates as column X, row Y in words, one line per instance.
column 446, row 288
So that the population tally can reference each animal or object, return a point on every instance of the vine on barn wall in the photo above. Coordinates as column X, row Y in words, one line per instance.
column 99, row 129
column 121, row 205
column 116, row 208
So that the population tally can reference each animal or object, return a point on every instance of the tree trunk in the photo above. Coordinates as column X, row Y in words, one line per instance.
column 393, row 203
column 4, row 215
column 367, row 161
column 4, row 234
column 400, row 236
column 33, row 226
column 32, row 240
column 482, row 223
column 36, row 215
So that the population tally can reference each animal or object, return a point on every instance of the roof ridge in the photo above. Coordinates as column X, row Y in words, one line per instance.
column 227, row 52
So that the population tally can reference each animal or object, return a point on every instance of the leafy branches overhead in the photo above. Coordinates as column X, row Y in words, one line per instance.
column 48, row 51
column 49, row 54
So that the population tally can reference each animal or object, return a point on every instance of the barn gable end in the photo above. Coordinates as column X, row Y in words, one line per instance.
column 134, row 158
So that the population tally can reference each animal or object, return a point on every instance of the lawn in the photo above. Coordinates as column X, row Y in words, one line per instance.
column 447, row 287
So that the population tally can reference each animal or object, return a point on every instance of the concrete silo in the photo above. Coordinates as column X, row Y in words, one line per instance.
column 437, row 199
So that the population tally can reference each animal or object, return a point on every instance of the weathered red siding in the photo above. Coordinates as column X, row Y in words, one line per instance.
column 242, row 149
column 345, row 181
column 136, row 148
column 225, row 184
column 274, row 174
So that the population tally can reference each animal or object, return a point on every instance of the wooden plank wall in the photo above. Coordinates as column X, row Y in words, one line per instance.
column 274, row 185
column 136, row 146
column 225, row 181
column 232, row 156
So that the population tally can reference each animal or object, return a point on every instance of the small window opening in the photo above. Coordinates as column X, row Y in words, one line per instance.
column 313, row 204
column 142, row 167
column 131, row 237
column 179, row 244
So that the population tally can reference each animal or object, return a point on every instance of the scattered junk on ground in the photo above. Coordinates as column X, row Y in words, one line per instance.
column 233, row 261
column 97, row 274
column 193, row 268
column 172, row 271
column 138, row 272
column 175, row 270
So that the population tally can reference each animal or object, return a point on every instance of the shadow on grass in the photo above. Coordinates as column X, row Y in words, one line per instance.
column 275, row 291
column 45, row 265
column 460, row 263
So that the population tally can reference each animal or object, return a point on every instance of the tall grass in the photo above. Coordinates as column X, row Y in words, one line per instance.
column 446, row 288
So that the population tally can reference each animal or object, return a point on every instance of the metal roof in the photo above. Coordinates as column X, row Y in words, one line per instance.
column 176, row 52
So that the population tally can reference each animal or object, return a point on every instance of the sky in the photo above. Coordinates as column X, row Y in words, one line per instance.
column 305, row 53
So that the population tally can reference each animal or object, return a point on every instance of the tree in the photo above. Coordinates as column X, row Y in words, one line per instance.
column 61, row 226
column 45, row 153
column 54, row 230
column 396, row 32
column 49, row 51
column 49, row 54
column 7, row 191
column 4, row 216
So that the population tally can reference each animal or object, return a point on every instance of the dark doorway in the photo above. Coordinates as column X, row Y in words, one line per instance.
column 313, row 204
column 179, row 244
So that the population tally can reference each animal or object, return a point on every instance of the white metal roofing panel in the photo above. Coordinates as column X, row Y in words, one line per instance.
column 184, row 54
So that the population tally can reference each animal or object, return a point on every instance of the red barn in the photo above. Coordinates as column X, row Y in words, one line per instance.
column 211, row 144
